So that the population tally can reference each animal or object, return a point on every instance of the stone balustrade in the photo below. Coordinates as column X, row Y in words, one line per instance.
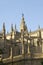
column 21, row 57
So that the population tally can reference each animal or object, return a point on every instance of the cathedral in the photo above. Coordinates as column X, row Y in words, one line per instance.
column 21, row 47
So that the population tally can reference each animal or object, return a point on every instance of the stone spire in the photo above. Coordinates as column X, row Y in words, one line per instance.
column 39, row 41
column 23, row 18
column 23, row 26
column 39, row 27
column 15, row 32
column 39, row 32
column 4, row 31
column 3, row 26
column 12, row 31
column 4, row 35
column 15, row 28
column 12, row 28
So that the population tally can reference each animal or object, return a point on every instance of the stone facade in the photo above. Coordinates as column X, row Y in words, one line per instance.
column 21, row 48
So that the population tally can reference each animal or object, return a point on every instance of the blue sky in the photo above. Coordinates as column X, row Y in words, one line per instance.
column 11, row 12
